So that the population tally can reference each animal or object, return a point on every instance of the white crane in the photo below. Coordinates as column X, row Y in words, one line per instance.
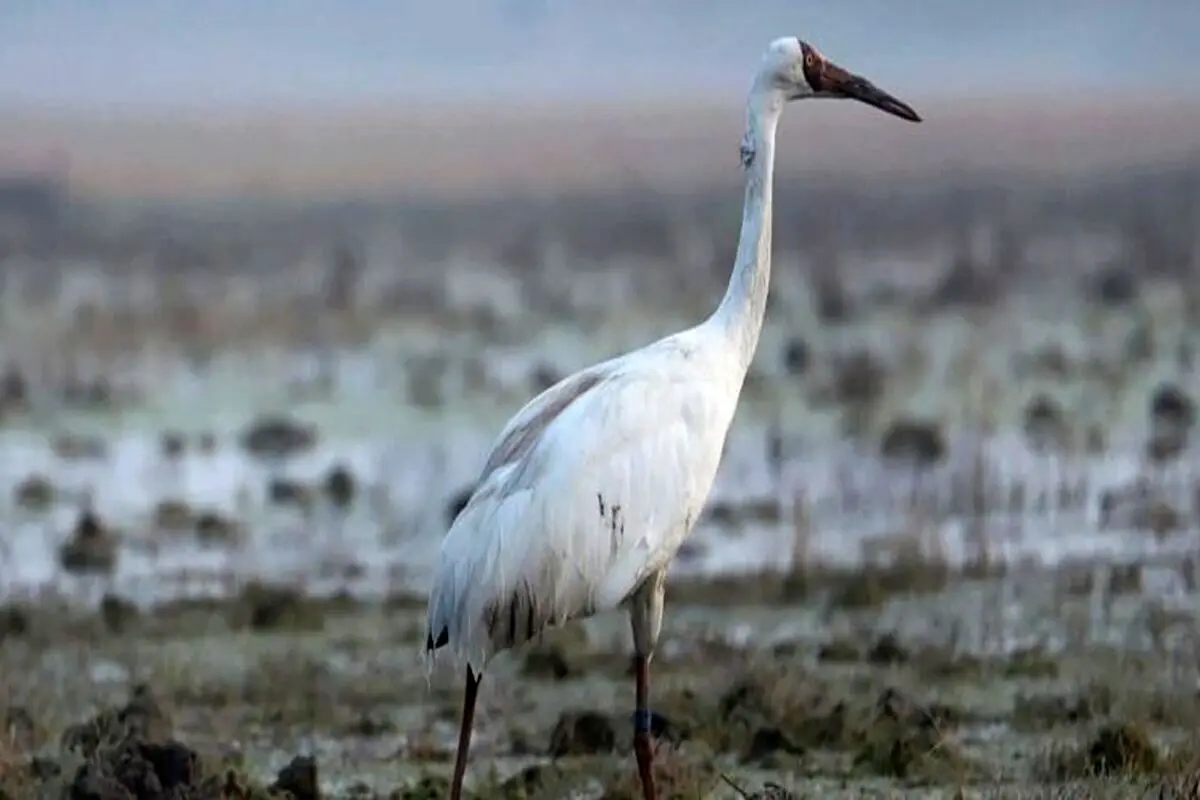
column 591, row 488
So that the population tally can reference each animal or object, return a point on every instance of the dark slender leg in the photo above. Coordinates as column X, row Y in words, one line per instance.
column 642, row 746
column 464, row 734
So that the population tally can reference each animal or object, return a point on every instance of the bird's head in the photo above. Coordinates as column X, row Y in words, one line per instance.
column 798, row 71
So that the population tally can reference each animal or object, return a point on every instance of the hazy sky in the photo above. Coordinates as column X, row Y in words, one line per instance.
column 200, row 52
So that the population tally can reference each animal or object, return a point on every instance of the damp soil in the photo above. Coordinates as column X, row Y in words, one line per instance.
column 271, row 694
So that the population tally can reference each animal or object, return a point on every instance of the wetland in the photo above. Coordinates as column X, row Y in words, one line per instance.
column 952, row 550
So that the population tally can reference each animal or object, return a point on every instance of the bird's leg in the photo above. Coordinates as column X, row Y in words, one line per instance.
column 642, row 747
column 645, row 612
column 464, row 734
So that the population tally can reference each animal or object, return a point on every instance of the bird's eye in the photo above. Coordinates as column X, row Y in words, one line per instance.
column 809, row 60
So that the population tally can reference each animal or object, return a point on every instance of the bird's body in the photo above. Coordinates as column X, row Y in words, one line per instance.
column 591, row 488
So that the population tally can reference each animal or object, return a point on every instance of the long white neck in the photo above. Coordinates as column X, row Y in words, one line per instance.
column 739, row 317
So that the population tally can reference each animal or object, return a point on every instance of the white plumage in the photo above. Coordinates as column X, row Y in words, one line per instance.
column 592, row 487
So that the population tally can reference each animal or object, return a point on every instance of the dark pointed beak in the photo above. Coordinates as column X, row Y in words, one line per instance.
column 842, row 83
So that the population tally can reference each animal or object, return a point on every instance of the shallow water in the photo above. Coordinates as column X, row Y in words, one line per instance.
column 389, row 537
column 409, row 460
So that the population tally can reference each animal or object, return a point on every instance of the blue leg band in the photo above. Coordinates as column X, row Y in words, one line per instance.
column 641, row 720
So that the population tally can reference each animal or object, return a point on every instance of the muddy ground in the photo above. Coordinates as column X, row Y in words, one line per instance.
column 819, row 686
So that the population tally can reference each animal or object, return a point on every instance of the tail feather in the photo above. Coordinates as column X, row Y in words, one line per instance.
column 505, row 590
column 443, row 639
column 485, row 627
column 516, row 619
